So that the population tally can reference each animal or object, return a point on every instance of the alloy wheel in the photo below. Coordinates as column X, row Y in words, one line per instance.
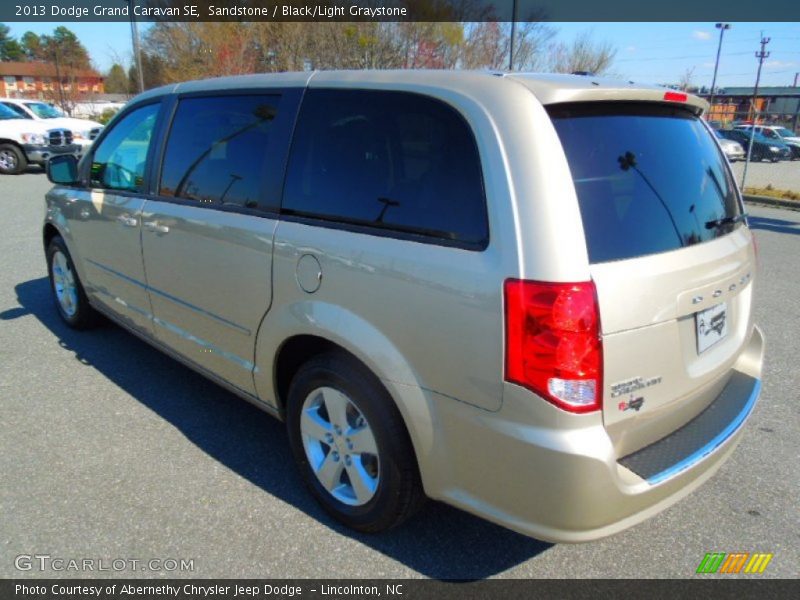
column 340, row 446
column 64, row 284
column 8, row 160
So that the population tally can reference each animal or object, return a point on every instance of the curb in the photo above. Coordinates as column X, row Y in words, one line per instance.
column 776, row 202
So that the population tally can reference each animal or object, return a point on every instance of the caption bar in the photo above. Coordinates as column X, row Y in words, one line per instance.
column 390, row 10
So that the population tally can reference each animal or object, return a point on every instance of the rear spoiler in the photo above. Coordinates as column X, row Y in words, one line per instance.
column 585, row 89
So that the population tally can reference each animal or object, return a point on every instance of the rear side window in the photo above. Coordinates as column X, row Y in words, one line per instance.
column 389, row 160
column 649, row 178
column 218, row 150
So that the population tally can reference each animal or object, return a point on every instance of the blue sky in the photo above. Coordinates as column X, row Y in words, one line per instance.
column 647, row 52
column 662, row 52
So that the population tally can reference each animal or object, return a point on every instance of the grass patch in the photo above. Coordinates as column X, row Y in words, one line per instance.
column 772, row 193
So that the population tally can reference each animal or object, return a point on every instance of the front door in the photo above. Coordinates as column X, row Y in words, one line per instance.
column 105, row 219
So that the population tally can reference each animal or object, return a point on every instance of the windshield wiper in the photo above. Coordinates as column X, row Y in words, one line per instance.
column 725, row 221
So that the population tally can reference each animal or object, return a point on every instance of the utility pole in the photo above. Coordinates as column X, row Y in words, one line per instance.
column 761, row 55
column 137, row 52
column 722, row 27
column 513, row 35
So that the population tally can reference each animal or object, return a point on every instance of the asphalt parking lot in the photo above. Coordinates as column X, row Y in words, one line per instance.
column 783, row 175
column 109, row 449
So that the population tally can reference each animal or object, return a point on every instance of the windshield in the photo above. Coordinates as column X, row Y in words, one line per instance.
column 649, row 178
column 7, row 113
column 44, row 111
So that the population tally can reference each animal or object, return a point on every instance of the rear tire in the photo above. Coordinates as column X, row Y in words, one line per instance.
column 68, row 293
column 351, row 445
column 12, row 160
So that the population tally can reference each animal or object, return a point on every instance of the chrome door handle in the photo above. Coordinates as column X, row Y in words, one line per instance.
column 155, row 227
column 128, row 220
column 85, row 214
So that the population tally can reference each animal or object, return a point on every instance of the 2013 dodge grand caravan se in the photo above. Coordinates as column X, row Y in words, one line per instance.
column 527, row 296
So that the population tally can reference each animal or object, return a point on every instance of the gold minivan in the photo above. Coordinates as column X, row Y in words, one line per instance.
column 527, row 296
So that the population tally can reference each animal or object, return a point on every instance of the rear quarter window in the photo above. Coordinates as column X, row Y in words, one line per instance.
column 649, row 177
column 387, row 160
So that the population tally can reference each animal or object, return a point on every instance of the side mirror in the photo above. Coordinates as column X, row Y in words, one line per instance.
column 63, row 169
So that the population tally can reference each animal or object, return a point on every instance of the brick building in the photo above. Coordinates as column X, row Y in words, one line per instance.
column 39, row 80
column 778, row 105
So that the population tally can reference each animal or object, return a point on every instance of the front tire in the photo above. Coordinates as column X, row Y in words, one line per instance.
column 68, row 293
column 351, row 445
column 12, row 160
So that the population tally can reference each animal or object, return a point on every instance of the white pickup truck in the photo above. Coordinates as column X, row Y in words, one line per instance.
column 83, row 130
column 24, row 142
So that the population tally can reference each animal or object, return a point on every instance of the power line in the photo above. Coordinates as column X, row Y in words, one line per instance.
column 650, row 58
column 750, row 73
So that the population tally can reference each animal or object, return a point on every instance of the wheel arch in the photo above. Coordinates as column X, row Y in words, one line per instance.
column 49, row 231
column 293, row 334
column 56, row 226
column 12, row 142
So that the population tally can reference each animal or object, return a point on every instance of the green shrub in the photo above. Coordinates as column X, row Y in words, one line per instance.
column 106, row 115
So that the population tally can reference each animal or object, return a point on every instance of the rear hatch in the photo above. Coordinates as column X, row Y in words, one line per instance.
column 671, row 257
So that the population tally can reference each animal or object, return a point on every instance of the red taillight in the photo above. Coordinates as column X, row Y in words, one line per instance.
column 675, row 97
column 553, row 344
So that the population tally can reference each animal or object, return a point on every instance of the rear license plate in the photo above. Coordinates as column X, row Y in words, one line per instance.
column 712, row 326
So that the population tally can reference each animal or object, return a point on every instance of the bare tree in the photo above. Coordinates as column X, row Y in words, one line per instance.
column 582, row 55
column 685, row 82
column 74, row 75
column 429, row 45
column 531, row 46
column 198, row 50
column 487, row 46
column 282, row 46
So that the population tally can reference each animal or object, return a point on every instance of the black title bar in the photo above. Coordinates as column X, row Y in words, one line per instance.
column 72, row 11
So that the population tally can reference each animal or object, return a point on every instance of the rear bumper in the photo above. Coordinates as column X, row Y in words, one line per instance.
column 701, row 436
column 557, row 477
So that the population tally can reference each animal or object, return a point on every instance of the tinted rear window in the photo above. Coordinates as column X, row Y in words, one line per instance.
column 387, row 160
column 649, row 178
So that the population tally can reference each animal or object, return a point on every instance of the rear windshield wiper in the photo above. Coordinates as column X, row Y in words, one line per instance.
column 725, row 221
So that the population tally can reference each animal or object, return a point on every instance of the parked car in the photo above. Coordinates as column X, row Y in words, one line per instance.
column 763, row 148
column 732, row 149
column 24, row 142
column 448, row 284
column 776, row 133
column 84, row 131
